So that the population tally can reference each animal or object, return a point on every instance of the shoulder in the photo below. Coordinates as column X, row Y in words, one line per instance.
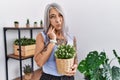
column 40, row 36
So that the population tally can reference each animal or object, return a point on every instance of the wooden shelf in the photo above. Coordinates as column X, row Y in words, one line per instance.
column 18, row 58
column 22, row 28
column 35, row 75
column 31, row 31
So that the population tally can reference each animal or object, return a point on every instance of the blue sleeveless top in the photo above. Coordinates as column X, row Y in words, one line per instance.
column 50, row 66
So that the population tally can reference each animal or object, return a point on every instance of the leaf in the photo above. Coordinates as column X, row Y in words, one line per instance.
column 115, row 73
column 65, row 52
column 24, row 41
column 82, row 66
column 91, row 65
column 116, row 56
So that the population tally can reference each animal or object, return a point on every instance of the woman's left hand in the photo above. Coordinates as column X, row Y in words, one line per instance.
column 73, row 71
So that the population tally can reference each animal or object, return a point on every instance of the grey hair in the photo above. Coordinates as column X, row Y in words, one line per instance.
column 46, row 17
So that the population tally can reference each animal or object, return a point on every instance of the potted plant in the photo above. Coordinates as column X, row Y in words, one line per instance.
column 35, row 24
column 27, row 46
column 96, row 66
column 28, row 72
column 41, row 23
column 16, row 24
column 64, row 58
column 28, row 23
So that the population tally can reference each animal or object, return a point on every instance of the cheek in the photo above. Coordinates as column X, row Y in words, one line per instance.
column 52, row 23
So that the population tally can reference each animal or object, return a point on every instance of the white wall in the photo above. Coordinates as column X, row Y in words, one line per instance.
column 95, row 23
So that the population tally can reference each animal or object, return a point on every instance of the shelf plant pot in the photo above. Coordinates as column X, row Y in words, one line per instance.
column 25, row 50
column 64, row 65
column 16, row 24
column 27, row 69
column 28, row 76
column 28, row 23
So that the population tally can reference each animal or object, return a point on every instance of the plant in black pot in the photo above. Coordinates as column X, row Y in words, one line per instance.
column 64, row 58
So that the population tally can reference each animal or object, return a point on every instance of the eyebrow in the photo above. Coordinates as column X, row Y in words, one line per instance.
column 52, row 14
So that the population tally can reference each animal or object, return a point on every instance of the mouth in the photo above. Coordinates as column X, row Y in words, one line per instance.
column 58, row 26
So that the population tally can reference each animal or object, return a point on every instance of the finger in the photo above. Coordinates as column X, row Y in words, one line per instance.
column 49, row 30
column 71, row 73
column 74, row 66
column 53, row 29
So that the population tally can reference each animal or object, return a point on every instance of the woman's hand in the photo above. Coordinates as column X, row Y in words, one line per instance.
column 51, row 33
column 73, row 71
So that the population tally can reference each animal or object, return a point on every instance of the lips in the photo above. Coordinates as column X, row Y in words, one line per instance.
column 58, row 25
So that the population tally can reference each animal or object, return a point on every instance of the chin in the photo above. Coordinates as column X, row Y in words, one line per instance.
column 59, row 29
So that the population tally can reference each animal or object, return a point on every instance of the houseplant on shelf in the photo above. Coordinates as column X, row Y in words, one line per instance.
column 35, row 24
column 16, row 24
column 64, row 58
column 27, row 46
column 28, row 72
column 96, row 66
column 41, row 24
column 28, row 23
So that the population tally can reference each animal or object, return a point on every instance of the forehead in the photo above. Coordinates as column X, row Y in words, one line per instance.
column 53, row 10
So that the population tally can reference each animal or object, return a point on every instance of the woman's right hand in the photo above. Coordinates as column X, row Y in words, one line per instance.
column 51, row 33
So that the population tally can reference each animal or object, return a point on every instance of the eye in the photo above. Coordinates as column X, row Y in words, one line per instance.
column 52, row 16
column 60, row 15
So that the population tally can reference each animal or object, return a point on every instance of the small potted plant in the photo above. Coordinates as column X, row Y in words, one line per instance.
column 41, row 23
column 28, row 23
column 28, row 72
column 35, row 24
column 16, row 24
column 27, row 46
column 64, row 58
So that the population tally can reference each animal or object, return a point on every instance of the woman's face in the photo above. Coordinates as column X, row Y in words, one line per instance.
column 56, row 19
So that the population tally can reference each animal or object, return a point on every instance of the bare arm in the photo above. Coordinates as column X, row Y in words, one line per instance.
column 42, row 52
column 75, row 45
column 74, row 67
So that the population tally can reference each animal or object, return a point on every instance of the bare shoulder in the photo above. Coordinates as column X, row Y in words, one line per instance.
column 39, row 37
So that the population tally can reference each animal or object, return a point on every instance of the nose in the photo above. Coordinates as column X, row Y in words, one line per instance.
column 58, row 20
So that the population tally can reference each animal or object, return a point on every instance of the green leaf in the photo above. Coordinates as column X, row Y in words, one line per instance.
column 27, row 69
column 82, row 66
column 65, row 52
column 91, row 65
column 24, row 41
column 115, row 73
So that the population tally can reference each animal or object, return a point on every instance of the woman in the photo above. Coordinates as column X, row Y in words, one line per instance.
column 54, row 34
